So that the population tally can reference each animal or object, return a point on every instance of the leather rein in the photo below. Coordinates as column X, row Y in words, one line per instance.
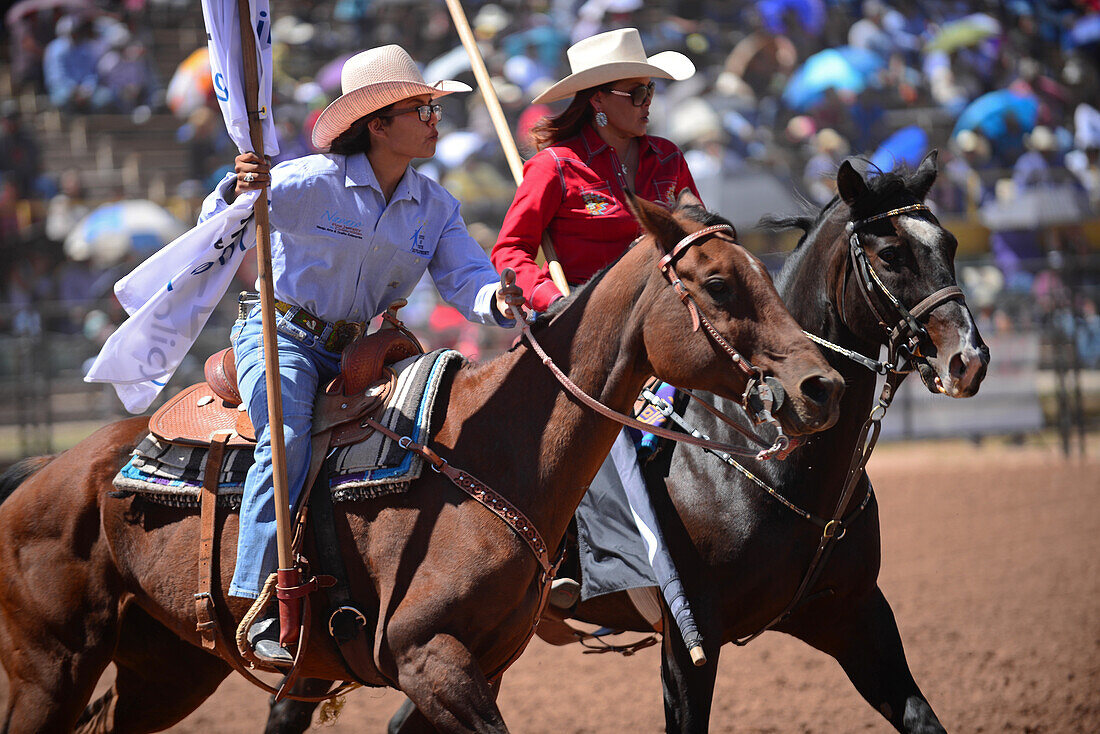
column 761, row 395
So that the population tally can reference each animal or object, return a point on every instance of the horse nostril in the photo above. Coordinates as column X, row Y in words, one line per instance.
column 957, row 367
column 818, row 389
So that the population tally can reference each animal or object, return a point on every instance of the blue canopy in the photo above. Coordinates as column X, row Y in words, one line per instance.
column 992, row 114
column 906, row 146
column 845, row 68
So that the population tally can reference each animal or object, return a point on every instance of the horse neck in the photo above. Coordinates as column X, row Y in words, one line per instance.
column 597, row 342
column 811, row 285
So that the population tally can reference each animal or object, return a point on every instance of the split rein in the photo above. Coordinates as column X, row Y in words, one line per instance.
column 761, row 394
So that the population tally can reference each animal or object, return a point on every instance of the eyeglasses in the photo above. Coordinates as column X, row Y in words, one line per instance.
column 639, row 95
column 424, row 112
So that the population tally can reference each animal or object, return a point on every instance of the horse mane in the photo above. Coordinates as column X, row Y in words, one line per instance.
column 18, row 472
column 881, row 187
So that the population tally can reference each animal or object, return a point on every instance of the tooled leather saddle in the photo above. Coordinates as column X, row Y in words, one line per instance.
column 200, row 411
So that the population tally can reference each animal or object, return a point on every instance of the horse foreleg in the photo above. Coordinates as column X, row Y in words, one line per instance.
column 866, row 642
column 151, row 661
column 408, row 719
column 688, row 689
column 58, row 627
column 447, row 687
column 294, row 717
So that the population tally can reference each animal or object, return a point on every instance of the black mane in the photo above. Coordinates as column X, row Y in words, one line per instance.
column 882, row 189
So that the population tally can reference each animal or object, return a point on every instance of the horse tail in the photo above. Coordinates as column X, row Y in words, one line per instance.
column 18, row 472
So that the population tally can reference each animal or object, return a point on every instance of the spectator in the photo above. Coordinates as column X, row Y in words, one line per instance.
column 870, row 32
column 67, row 207
column 1084, row 160
column 69, row 67
column 1039, row 165
column 9, row 218
column 19, row 155
column 964, row 189
column 819, row 177
column 128, row 75
column 207, row 144
column 29, row 35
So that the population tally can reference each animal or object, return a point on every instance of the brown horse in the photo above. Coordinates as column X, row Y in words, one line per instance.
column 89, row 576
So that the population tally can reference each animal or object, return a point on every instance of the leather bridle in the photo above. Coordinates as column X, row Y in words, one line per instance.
column 762, row 394
column 908, row 334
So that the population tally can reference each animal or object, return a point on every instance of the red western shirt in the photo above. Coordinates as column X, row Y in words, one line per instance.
column 575, row 192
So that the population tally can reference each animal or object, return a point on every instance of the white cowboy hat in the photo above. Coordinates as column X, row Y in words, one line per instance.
column 608, row 57
column 370, row 80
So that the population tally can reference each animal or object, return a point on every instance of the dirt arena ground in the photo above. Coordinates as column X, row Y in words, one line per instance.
column 991, row 560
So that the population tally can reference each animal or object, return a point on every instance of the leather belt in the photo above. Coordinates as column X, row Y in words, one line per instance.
column 332, row 336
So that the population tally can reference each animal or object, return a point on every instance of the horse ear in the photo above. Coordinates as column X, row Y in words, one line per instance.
column 686, row 198
column 849, row 184
column 655, row 219
column 925, row 175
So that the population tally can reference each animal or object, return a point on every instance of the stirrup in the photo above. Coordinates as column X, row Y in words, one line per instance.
column 263, row 638
column 564, row 593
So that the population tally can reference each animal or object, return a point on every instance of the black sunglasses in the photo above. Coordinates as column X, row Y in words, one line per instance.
column 639, row 95
column 424, row 112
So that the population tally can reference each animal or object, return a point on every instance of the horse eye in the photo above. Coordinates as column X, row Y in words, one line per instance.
column 717, row 287
column 889, row 255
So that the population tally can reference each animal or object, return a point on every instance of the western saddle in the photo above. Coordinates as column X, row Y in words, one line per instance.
column 197, row 413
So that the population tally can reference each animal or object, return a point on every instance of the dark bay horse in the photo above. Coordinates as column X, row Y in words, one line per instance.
column 741, row 553
column 89, row 576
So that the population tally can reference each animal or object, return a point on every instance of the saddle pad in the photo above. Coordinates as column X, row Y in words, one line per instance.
column 172, row 473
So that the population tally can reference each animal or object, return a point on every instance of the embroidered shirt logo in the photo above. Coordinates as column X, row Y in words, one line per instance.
column 336, row 224
column 668, row 197
column 596, row 203
column 417, row 239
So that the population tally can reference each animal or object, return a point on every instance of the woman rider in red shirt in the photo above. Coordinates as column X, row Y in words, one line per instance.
column 574, row 189
column 589, row 156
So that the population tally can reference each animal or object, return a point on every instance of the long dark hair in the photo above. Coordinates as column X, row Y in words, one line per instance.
column 553, row 129
column 356, row 139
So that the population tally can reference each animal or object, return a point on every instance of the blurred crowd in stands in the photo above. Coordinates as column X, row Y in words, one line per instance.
column 1006, row 90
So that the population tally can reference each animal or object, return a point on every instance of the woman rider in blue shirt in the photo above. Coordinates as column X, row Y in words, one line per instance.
column 352, row 230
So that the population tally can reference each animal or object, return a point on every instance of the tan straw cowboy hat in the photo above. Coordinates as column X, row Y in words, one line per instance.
column 370, row 80
column 608, row 57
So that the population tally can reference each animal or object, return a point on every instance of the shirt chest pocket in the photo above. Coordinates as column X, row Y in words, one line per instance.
column 597, row 201
column 404, row 270
column 665, row 193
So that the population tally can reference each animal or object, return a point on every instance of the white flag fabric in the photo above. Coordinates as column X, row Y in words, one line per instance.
column 224, row 39
column 170, row 296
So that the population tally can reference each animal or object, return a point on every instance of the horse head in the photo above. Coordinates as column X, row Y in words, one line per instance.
column 714, row 321
column 897, row 278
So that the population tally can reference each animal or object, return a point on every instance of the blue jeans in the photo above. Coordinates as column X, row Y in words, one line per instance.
column 303, row 365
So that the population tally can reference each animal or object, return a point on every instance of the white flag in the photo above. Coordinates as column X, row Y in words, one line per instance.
column 170, row 296
column 224, row 39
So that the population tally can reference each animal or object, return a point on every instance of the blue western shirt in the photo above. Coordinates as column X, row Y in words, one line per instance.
column 341, row 252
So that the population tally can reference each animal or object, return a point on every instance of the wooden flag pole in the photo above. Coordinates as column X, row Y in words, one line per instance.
column 501, row 125
column 267, row 294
